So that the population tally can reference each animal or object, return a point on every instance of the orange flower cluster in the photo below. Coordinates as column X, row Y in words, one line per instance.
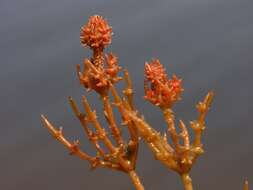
column 98, row 77
column 112, row 67
column 96, row 33
column 160, row 90
column 98, row 72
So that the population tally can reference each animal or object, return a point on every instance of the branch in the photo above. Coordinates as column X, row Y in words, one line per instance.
column 75, row 150
column 169, row 119
column 122, row 105
column 58, row 135
column 108, row 112
column 161, row 149
column 181, row 157
column 128, row 92
column 136, row 181
column 199, row 125
column 91, row 115
column 84, row 121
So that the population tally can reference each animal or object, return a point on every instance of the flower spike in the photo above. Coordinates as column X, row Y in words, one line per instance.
column 96, row 33
column 160, row 90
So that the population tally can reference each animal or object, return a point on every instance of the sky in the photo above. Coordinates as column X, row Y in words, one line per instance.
column 207, row 43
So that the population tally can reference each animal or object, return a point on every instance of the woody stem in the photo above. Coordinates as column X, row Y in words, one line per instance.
column 187, row 181
column 136, row 180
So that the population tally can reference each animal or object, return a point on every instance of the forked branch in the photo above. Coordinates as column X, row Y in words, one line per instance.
column 163, row 93
column 74, row 147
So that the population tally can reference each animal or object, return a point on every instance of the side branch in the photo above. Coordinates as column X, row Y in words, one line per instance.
column 58, row 135
column 199, row 125
column 123, row 105
column 91, row 115
column 128, row 92
column 108, row 112
column 93, row 138
column 169, row 118
column 75, row 150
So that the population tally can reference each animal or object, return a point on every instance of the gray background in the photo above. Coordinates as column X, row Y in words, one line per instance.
column 209, row 43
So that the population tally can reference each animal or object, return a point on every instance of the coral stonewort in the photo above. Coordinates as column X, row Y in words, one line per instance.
column 99, row 74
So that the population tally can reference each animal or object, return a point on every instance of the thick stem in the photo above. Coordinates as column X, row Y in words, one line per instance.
column 187, row 181
column 136, row 180
column 134, row 142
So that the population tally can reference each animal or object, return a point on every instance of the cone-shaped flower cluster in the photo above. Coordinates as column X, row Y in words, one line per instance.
column 96, row 33
column 112, row 67
column 101, row 69
column 99, row 76
column 160, row 90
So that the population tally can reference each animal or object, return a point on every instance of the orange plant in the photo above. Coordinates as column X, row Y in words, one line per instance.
column 99, row 74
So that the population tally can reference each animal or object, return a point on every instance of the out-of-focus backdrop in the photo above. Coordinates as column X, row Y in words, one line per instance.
column 208, row 43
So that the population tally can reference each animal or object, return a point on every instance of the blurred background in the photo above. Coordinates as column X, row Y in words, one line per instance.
column 208, row 43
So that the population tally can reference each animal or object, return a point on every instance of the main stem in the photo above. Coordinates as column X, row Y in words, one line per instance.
column 187, row 181
column 98, row 56
column 136, row 180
